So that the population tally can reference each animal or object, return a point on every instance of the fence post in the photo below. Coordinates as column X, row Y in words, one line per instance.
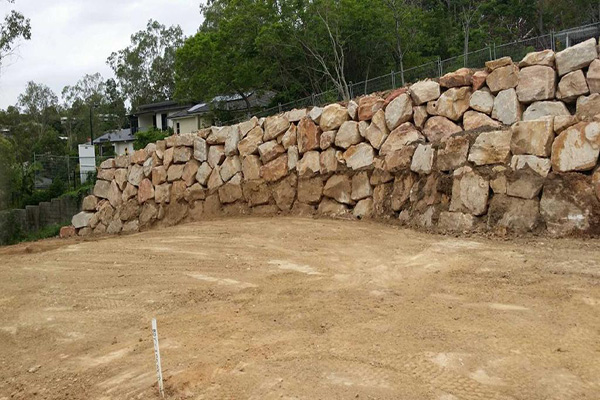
column 393, row 80
column 351, row 87
column 552, row 43
column 490, row 51
column 279, row 105
column 313, row 100
column 440, row 70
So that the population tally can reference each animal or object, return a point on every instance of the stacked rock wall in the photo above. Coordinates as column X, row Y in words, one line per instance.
column 513, row 147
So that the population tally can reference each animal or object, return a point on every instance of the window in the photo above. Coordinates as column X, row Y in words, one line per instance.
column 178, row 130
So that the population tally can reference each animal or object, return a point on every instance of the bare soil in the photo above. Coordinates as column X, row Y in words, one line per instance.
column 293, row 308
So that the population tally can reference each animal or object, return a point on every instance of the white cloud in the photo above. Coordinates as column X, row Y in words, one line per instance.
column 71, row 38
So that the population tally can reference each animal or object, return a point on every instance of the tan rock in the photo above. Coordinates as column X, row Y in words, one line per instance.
column 338, row 187
column 507, row 108
column 482, row 101
column 453, row 103
column 232, row 142
column 275, row 126
column 122, row 161
column 310, row 190
column 249, row 144
column 332, row 208
column 361, row 187
column 175, row 172
column 284, row 192
column 204, row 171
column 315, row 114
column 461, row 77
column 251, row 167
column 363, row 209
column 148, row 164
column 533, row 137
column 474, row 120
column 542, row 109
column 347, row 135
column 456, row 222
column 214, row 180
column 377, row 131
column 231, row 191
column 178, row 189
column 588, row 106
column 101, row 189
column 182, row 154
column 503, row 78
column 327, row 139
column 293, row 157
column 399, row 160
column 139, row 156
column 398, row 111
column 247, row 126
column 593, row 76
column 576, row 57
column 106, row 164
column 470, row 192
column 539, row 165
column 216, row 155
column 275, row 170
column 424, row 91
column 498, row 63
column 571, row 86
column 218, row 135
column 309, row 164
column 270, row 150
column 437, row 129
column 129, row 192
column 289, row 138
column 544, row 58
column 328, row 162
column 572, row 151
column 231, row 166
column 368, row 106
column 518, row 215
column 193, row 193
column 562, row 122
column 352, row 110
column 189, row 171
column 536, row 83
column 359, row 156
column 162, row 193
column 256, row 192
column 334, row 115
column 419, row 116
column 106, row 174
column 453, row 154
column 479, row 79
column 491, row 148
column 309, row 133
column 145, row 191
column 121, row 177
column 135, row 174
column 422, row 161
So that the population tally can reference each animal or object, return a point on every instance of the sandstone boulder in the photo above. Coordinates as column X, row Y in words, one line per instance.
column 537, row 164
column 403, row 185
column 507, row 108
column 542, row 109
column 135, row 174
column 503, row 78
column 347, row 135
column 453, row 154
column 334, row 115
column 453, row 103
column 204, row 171
column 249, row 144
column 422, row 161
column 479, row 78
column 310, row 190
column 536, row 83
column 82, row 219
column 572, row 151
column 359, row 156
column 145, row 191
column 588, row 106
column 420, row 116
column 361, row 187
column 493, row 65
column 533, row 137
column 377, row 131
column 332, row 208
column 470, row 192
column 482, row 100
column 216, row 155
column 328, row 161
column 315, row 114
column 456, row 222
column 571, row 86
column 175, row 172
column 515, row 214
column 491, row 148
column 182, row 154
column 231, row 166
column 121, row 177
column 398, row 111
column 363, row 209
column 576, row 57
column 437, row 129
column 162, row 193
column 231, row 191
column 399, row 160
column 214, row 180
column 525, row 184
column 327, row 139
column 461, row 77
column 269, row 151
column 544, row 58
column 368, row 106
column 284, row 192
column 256, row 193
column 309, row 133
column 424, row 91
column 338, row 187
column 251, row 167
column 275, row 170
column 309, row 164
column 474, row 120
column 101, row 189
column 289, row 138
column 593, row 76
column 275, row 126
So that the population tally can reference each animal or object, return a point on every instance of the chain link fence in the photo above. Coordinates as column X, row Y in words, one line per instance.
column 49, row 169
column 556, row 41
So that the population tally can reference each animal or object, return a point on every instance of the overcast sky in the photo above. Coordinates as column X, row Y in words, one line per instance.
column 71, row 38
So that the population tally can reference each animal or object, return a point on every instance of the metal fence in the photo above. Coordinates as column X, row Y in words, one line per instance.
column 49, row 169
column 556, row 41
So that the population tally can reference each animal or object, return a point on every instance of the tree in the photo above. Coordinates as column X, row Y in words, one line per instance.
column 14, row 27
column 40, row 103
column 145, row 69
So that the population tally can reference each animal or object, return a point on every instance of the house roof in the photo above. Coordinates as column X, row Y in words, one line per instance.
column 168, row 105
column 201, row 108
column 123, row 135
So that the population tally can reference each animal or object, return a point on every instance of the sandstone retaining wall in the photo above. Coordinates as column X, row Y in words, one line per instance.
column 513, row 147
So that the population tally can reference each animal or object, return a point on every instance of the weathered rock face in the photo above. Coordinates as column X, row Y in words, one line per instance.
column 453, row 103
column 347, row 135
column 469, row 192
column 145, row 191
column 404, row 135
column 453, row 154
column 422, row 162
column 539, row 165
column 545, row 58
column 82, row 219
column 571, row 86
column 545, row 109
column 507, row 108
column 515, row 214
column 533, row 137
column 491, row 148
column 101, row 189
column 308, row 135
column 359, row 157
column 493, row 65
column 334, row 115
column 437, row 129
column 424, row 91
column 593, row 76
column 377, row 131
column 536, row 83
column 275, row 126
column 573, row 151
column 474, row 120
column 576, row 57
column 269, row 151
column 368, row 106
column 249, row 144
column 482, row 101
column 310, row 190
column 275, row 170
column 588, row 106
column 398, row 111
column 461, row 77
column 339, row 187
column 456, row 222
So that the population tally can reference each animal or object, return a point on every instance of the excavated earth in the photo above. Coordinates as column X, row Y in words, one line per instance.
column 297, row 308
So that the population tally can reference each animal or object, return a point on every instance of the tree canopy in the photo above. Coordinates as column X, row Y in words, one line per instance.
column 14, row 27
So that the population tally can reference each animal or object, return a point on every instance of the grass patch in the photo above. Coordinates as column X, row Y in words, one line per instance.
column 43, row 233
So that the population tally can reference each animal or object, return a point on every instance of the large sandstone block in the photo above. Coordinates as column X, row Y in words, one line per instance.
column 309, row 164
column 422, row 161
column 470, row 192
column 460, row 77
column 231, row 191
column 216, row 155
column 571, row 86
column 493, row 65
column 347, row 135
column 275, row 126
column 544, row 58
column 249, row 144
column 368, row 106
column 507, row 108
column 402, row 136
column 218, row 135
column 542, row 109
column 539, row 165
column 479, row 78
column 204, row 171
column 135, row 174
column 503, row 78
column 474, row 120
column 310, row 190
column 536, row 83
column 145, row 191
column 182, row 154
column 398, row 111
column 573, row 150
column 189, row 171
column 121, row 177
column 377, row 131
column 453, row 103
column 424, row 91
column 332, row 208
column 290, row 137
column 569, row 204
column 269, row 151
column 256, row 193
column 284, row 192
column 482, row 100
column 334, row 115
column 437, row 129
column 525, row 184
column 456, row 222
column 402, row 187
column 399, row 160
column 327, row 139
column 518, row 215
column 588, row 106
column 363, row 209
column 491, row 148
column 533, row 137
column 339, row 187
column 576, row 57
column 308, row 135
column 231, row 166
column 361, row 187
column 453, row 154
column 593, row 76
column 328, row 161
column 420, row 116
column 275, row 170
column 359, row 156
column 162, row 193
column 102, row 189
column 82, row 219
column 175, row 172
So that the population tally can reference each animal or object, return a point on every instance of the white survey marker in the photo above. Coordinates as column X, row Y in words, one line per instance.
column 161, row 389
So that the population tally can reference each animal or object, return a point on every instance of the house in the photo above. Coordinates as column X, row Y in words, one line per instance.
column 156, row 115
column 201, row 115
column 121, row 140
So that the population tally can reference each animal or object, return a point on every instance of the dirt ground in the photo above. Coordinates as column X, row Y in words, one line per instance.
column 293, row 308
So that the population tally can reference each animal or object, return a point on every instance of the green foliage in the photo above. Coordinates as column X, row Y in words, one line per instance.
column 18, row 236
column 144, row 69
column 142, row 138
column 14, row 27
